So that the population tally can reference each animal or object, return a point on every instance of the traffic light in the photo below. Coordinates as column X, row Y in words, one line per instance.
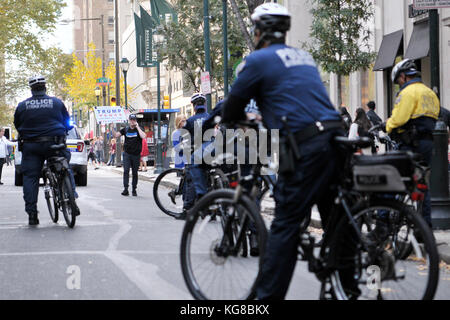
column 166, row 102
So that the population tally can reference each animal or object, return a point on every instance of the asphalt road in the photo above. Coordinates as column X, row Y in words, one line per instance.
column 120, row 248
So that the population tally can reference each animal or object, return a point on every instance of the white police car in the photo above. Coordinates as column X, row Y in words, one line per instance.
column 78, row 161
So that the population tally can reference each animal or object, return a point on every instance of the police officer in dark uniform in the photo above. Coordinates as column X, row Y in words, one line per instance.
column 196, row 185
column 288, row 90
column 42, row 121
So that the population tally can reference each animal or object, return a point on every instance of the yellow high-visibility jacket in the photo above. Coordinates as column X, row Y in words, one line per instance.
column 414, row 101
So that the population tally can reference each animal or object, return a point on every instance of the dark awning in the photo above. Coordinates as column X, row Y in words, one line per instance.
column 419, row 44
column 388, row 50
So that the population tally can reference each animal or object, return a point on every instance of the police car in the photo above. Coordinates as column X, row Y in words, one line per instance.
column 78, row 161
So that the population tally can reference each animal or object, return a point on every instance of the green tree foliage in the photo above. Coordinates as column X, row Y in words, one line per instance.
column 23, row 26
column 185, row 42
column 340, row 36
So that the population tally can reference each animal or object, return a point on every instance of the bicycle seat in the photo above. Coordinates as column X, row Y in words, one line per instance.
column 362, row 142
column 58, row 147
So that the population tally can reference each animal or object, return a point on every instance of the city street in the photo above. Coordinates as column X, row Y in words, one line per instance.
column 124, row 247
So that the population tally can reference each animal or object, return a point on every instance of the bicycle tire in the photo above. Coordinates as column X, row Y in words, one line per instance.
column 69, row 206
column 424, row 258
column 249, row 264
column 159, row 185
column 51, row 198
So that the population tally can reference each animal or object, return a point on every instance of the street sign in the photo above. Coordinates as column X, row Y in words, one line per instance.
column 431, row 4
column 206, row 83
column 103, row 82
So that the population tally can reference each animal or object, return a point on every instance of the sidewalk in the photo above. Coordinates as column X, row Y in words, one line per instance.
column 442, row 237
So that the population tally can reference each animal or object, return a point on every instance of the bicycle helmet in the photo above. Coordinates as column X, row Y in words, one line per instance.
column 273, row 20
column 198, row 99
column 35, row 80
column 407, row 66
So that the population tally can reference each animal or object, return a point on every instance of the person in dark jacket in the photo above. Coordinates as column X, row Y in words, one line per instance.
column 371, row 114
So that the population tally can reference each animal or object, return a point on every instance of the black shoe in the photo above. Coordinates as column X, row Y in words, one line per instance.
column 125, row 193
column 33, row 219
column 254, row 246
column 1, row 183
column 134, row 193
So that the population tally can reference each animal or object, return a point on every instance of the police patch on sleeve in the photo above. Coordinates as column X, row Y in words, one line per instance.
column 399, row 98
column 240, row 67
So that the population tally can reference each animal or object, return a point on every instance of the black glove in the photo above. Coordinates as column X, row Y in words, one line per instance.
column 383, row 127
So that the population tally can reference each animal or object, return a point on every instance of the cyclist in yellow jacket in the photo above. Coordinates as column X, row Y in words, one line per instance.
column 414, row 117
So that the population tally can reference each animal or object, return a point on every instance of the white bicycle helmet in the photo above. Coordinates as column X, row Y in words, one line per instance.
column 198, row 98
column 37, row 79
column 271, row 9
column 407, row 66
column 272, row 20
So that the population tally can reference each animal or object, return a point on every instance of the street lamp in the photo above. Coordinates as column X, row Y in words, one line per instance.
column 98, row 92
column 125, row 64
column 158, row 39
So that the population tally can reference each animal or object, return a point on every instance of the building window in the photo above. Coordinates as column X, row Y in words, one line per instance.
column 111, row 20
column 111, row 56
column 111, row 37
column 367, row 86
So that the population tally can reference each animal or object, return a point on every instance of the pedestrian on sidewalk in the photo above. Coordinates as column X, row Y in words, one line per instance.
column 371, row 114
column 360, row 128
column 180, row 121
column 144, row 156
column 132, row 152
column 99, row 146
column 91, row 153
column 112, row 153
column 4, row 154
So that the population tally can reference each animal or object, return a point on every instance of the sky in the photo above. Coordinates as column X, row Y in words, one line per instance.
column 63, row 35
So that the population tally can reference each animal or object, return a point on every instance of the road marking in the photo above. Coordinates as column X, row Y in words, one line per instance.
column 86, row 252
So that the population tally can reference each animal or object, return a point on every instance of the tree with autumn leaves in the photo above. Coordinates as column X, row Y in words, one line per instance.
column 82, row 80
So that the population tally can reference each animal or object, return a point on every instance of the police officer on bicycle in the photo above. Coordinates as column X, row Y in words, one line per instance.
column 414, row 117
column 196, row 185
column 42, row 121
column 288, row 90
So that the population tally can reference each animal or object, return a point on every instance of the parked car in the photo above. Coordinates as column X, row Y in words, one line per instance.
column 78, row 162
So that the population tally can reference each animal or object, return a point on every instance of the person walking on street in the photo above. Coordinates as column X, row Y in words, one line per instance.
column 132, row 152
column 347, row 118
column 144, row 156
column 42, row 121
column 371, row 114
column 414, row 117
column 112, row 153
column 91, row 153
column 4, row 153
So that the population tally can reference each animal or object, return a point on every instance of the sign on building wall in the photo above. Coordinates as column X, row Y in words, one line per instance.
column 205, row 83
column 431, row 4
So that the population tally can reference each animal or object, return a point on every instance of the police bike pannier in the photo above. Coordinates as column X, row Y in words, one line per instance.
column 389, row 172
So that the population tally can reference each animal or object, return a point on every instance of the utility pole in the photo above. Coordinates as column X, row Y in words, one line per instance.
column 117, row 47
column 103, row 57
column 207, row 45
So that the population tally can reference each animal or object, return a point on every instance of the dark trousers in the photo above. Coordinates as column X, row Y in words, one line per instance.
column 34, row 155
column 295, row 194
column 130, row 161
column 2, row 162
column 188, row 189
column 424, row 148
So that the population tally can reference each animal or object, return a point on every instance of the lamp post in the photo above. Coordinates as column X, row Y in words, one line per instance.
column 125, row 64
column 207, row 45
column 225, row 46
column 158, row 39
column 98, row 92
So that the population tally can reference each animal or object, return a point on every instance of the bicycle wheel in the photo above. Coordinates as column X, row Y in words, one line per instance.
column 399, row 262
column 68, row 204
column 168, row 191
column 212, row 260
column 51, row 197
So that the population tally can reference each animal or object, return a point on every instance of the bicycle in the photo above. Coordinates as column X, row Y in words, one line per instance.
column 58, row 190
column 335, row 260
column 168, row 190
